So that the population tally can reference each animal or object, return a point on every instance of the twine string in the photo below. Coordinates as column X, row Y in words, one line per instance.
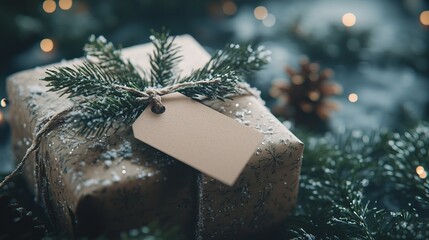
column 154, row 95
column 44, row 128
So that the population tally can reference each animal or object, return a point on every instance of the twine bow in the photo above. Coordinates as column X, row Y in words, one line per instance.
column 153, row 95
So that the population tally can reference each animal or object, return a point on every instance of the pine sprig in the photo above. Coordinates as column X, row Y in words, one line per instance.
column 106, row 56
column 244, row 59
column 99, row 117
column 228, row 77
column 85, row 80
column 100, row 103
column 338, row 173
column 407, row 164
column 231, row 64
column 109, row 89
column 163, row 60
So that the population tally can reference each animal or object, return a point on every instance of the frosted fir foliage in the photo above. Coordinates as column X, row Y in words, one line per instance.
column 97, row 85
column 356, row 185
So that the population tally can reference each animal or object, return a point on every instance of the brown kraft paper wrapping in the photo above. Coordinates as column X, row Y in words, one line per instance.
column 115, row 182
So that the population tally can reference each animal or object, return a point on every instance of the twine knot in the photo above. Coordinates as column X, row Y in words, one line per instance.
column 157, row 106
column 153, row 95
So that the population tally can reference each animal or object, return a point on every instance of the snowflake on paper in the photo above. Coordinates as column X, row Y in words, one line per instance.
column 274, row 158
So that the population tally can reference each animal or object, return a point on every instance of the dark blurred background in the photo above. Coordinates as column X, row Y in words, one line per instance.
column 378, row 49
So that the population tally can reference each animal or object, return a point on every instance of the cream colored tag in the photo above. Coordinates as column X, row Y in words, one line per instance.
column 199, row 137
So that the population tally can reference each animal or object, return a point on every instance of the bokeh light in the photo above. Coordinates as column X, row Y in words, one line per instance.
column 47, row 45
column 314, row 96
column 269, row 21
column 349, row 19
column 297, row 80
column 229, row 8
column 353, row 97
column 260, row 12
column 424, row 18
column 65, row 4
column 420, row 170
column 3, row 102
column 49, row 6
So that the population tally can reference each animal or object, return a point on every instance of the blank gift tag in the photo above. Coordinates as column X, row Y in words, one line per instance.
column 199, row 137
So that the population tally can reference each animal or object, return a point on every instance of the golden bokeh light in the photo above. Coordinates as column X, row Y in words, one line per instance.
column 1, row 117
column 3, row 102
column 49, row 6
column 349, row 19
column 47, row 45
column 423, row 175
column 314, row 96
column 229, row 8
column 424, row 18
column 420, row 170
column 260, row 12
column 297, row 80
column 65, row 4
column 353, row 97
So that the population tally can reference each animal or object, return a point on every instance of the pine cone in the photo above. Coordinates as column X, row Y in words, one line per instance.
column 17, row 223
column 303, row 100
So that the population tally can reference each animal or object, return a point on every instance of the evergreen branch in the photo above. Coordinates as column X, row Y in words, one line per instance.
column 333, row 202
column 242, row 59
column 234, row 60
column 97, row 117
column 101, row 103
column 108, row 57
column 85, row 80
column 163, row 60
column 231, row 65
column 407, row 164
column 220, row 90
column 402, row 225
column 111, row 89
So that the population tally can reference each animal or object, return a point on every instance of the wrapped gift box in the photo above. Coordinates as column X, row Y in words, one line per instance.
column 114, row 182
